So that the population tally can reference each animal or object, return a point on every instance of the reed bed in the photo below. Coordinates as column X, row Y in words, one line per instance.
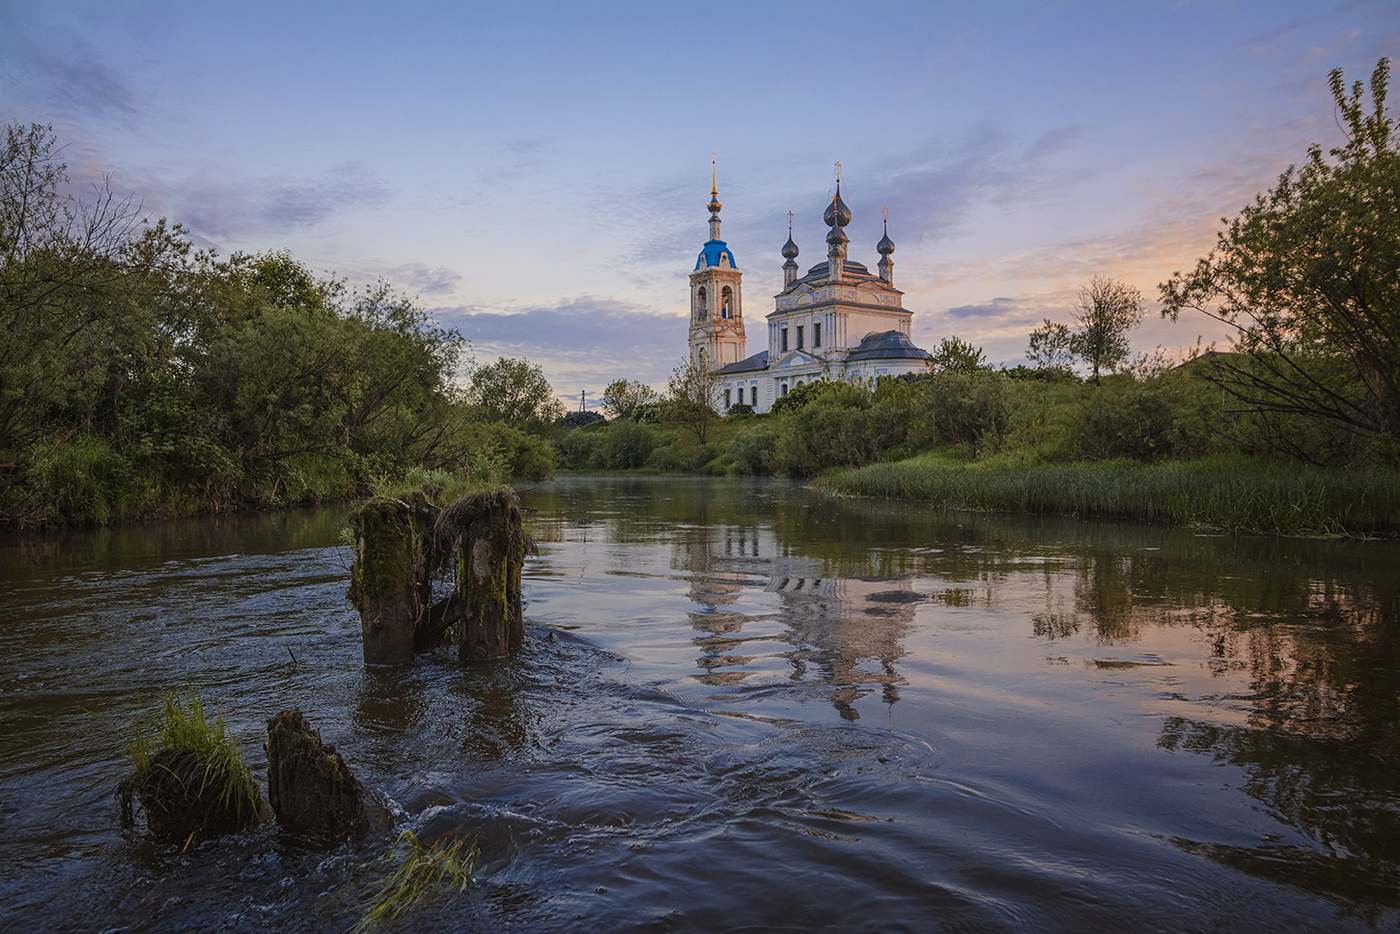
column 1235, row 495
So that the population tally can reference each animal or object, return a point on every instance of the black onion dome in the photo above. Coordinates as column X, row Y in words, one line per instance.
column 837, row 214
column 886, row 246
column 789, row 249
column 714, row 204
column 836, row 235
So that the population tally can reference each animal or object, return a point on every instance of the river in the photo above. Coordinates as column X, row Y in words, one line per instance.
column 742, row 706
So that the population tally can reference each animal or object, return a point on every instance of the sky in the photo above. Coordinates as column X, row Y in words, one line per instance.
column 536, row 173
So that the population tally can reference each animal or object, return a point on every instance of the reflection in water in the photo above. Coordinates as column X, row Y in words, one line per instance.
column 743, row 705
column 844, row 632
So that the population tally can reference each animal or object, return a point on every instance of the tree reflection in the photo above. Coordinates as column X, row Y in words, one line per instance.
column 1321, row 748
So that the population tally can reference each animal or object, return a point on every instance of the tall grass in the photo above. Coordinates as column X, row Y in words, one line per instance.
column 180, row 722
column 422, row 874
column 1231, row 494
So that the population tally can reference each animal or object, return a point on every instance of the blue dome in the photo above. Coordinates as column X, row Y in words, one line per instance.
column 711, row 252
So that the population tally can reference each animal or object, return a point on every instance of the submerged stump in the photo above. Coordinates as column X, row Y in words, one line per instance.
column 485, row 532
column 186, row 796
column 315, row 797
column 389, row 581
column 400, row 547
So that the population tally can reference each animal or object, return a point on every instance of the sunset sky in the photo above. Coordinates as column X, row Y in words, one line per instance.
column 537, row 173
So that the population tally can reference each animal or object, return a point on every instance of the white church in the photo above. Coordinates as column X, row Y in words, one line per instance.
column 838, row 321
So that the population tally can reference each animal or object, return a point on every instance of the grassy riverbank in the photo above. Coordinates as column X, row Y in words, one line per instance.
column 1234, row 494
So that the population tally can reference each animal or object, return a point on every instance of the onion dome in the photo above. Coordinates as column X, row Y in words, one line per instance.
column 837, row 236
column 886, row 246
column 714, row 204
column 789, row 248
column 837, row 214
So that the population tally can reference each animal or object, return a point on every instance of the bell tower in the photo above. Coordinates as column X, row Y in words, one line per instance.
column 716, row 300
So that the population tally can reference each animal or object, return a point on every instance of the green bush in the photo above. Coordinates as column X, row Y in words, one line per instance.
column 626, row 445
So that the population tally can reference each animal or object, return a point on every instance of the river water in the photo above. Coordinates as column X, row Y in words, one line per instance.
column 743, row 706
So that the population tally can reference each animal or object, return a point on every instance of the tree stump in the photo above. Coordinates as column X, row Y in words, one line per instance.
column 389, row 584
column 486, row 533
column 311, row 790
column 185, row 797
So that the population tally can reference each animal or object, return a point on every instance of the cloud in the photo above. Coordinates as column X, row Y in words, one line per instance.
column 214, row 209
column 68, row 76
column 425, row 280
column 582, row 342
column 996, row 308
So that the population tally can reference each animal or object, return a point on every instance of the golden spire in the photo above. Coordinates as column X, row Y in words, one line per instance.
column 714, row 186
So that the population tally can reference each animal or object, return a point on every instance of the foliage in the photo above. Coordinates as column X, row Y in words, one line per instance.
column 955, row 355
column 967, row 408
column 1306, row 277
column 423, row 874
column 580, row 419
column 515, row 391
column 1107, row 310
column 626, row 446
column 621, row 397
column 140, row 377
column 754, row 448
column 691, row 396
column 1051, row 348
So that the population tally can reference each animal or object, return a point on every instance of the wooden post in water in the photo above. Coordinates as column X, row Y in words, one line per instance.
column 389, row 581
column 316, row 799
column 490, row 548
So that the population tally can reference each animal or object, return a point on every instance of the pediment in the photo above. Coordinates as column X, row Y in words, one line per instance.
column 797, row 359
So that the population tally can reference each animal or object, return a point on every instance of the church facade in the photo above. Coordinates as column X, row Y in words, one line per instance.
column 838, row 321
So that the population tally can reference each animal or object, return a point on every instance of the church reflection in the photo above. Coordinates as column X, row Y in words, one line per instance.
column 842, row 631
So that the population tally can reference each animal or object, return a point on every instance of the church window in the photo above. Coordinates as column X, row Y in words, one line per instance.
column 700, row 304
column 816, row 334
column 782, row 389
column 784, row 335
column 726, row 399
column 799, row 337
column 725, row 298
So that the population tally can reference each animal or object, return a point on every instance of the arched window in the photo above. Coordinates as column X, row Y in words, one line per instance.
column 701, row 304
column 726, row 298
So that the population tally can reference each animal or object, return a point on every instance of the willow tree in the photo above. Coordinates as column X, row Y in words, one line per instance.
column 1306, row 275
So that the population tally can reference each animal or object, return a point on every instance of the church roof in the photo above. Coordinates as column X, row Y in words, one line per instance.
column 850, row 269
column 887, row 345
column 758, row 361
column 710, row 254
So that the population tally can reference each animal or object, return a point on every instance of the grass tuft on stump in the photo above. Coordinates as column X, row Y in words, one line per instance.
column 188, row 773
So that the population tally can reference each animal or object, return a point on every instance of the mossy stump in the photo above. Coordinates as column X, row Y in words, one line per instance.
column 389, row 580
column 185, row 798
column 485, row 531
column 316, row 799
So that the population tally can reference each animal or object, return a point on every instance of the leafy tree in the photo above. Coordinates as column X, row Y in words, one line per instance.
column 621, row 397
column 955, row 355
column 1306, row 275
column 515, row 391
column 1051, row 347
column 691, row 396
column 799, row 396
column 1107, row 310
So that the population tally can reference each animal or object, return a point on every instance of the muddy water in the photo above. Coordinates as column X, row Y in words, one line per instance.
column 742, row 707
